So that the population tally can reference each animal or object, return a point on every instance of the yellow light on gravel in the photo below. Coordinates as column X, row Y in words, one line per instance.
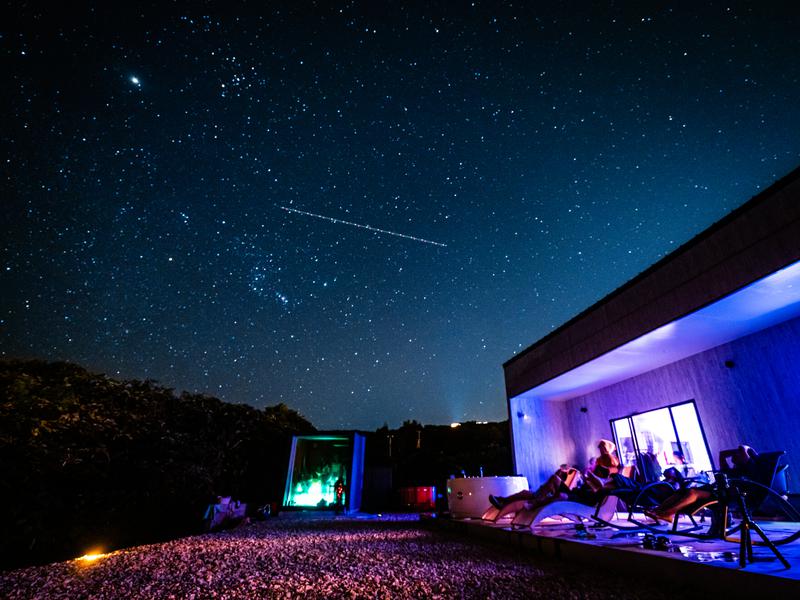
column 91, row 556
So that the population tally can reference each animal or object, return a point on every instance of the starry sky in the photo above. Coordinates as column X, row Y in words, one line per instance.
column 208, row 198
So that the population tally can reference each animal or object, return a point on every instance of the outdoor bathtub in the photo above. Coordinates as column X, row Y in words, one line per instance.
column 468, row 497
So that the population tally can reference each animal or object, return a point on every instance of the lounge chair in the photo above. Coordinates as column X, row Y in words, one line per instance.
column 741, row 497
column 573, row 511
column 601, row 512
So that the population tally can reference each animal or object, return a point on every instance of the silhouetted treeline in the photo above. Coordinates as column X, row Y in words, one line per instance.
column 86, row 460
column 424, row 455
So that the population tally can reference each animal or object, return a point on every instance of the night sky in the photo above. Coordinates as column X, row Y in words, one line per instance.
column 537, row 156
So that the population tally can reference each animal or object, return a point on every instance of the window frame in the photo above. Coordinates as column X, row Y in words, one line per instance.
column 629, row 418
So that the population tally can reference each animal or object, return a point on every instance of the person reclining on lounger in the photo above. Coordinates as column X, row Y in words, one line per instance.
column 565, row 484
column 742, row 464
column 605, row 466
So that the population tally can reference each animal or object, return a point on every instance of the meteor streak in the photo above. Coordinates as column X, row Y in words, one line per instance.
column 360, row 226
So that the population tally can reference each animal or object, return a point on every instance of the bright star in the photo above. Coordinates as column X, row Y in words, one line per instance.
column 135, row 80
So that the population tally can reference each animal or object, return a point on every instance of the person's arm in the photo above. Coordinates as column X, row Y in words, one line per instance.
column 724, row 455
column 572, row 479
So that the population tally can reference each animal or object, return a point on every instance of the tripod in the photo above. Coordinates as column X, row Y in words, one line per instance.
column 729, row 493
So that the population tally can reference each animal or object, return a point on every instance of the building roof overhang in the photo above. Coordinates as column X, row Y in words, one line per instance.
column 766, row 302
column 753, row 242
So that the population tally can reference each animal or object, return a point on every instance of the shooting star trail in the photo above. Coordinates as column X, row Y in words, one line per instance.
column 360, row 226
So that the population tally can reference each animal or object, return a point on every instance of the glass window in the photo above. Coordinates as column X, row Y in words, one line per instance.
column 318, row 462
column 665, row 437
column 692, row 451
column 655, row 436
column 626, row 448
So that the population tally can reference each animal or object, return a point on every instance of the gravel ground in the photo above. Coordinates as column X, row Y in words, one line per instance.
column 302, row 556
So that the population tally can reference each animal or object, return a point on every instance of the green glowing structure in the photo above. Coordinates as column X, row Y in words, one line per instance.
column 317, row 463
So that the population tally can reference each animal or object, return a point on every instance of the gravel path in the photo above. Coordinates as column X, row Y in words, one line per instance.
column 297, row 556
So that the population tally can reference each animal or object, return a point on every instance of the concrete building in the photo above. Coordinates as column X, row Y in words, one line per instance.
column 699, row 353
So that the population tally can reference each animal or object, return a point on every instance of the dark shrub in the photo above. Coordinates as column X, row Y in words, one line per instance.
column 86, row 460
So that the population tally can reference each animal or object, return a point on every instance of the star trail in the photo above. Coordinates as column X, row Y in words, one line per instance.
column 362, row 210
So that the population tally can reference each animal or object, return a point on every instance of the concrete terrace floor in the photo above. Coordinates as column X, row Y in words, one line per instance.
column 710, row 566
column 317, row 555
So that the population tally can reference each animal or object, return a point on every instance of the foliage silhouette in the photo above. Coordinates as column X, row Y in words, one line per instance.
column 86, row 460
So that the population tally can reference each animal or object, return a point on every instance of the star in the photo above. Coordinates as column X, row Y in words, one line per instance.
column 484, row 179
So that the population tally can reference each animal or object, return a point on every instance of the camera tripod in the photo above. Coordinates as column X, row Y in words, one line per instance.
column 730, row 494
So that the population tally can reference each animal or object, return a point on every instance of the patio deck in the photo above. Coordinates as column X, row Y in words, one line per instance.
column 711, row 565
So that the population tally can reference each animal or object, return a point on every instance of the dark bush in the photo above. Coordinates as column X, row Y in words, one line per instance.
column 87, row 460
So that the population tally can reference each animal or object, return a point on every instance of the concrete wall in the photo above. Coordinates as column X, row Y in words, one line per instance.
column 757, row 402
column 541, row 438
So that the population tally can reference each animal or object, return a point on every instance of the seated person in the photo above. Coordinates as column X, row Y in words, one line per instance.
column 557, row 487
column 742, row 463
column 738, row 462
column 605, row 466
column 566, row 484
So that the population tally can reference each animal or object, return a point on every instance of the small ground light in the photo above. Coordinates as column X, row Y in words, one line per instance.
column 92, row 555
column 454, row 425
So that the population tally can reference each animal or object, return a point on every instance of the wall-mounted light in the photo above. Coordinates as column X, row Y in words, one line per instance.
column 729, row 364
column 584, row 409
column 520, row 414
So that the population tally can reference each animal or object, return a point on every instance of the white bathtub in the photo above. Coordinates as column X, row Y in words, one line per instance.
column 468, row 497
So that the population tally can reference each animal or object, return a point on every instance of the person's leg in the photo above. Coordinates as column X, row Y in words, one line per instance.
column 532, row 504
column 512, row 507
column 500, row 502
column 664, row 510
column 594, row 482
column 677, row 502
column 547, row 490
column 523, row 495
